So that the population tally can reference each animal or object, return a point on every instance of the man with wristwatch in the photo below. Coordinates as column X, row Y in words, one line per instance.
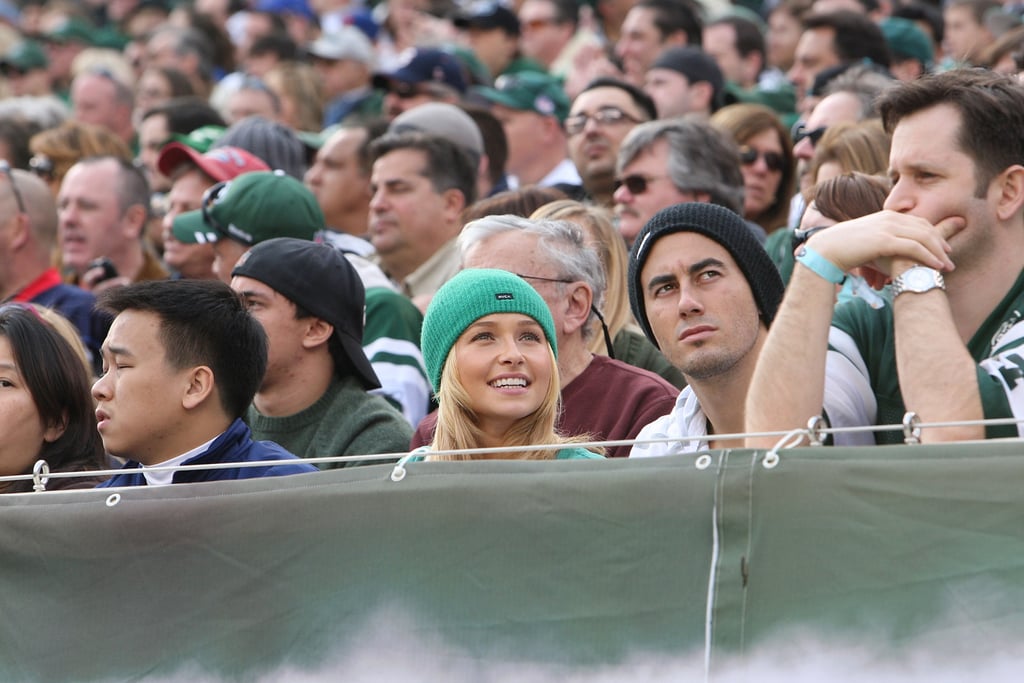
column 951, row 241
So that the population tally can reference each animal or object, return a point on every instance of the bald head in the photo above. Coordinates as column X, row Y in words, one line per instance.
column 39, row 205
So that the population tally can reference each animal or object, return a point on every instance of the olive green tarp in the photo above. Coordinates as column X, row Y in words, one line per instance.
column 573, row 564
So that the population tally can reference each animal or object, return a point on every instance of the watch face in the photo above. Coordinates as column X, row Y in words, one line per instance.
column 917, row 279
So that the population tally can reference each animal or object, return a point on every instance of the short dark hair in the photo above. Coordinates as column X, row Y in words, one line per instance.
column 566, row 11
column 132, row 187
column 185, row 114
column 60, row 389
column 276, row 43
column 672, row 16
column 748, row 36
column 202, row 322
column 639, row 97
column 854, row 36
column 448, row 166
column 495, row 140
column 375, row 128
column 991, row 110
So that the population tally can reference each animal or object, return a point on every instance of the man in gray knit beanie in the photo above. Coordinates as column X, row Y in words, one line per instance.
column 704, row 291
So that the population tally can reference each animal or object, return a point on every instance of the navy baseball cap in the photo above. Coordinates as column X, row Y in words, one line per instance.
column 426, row 65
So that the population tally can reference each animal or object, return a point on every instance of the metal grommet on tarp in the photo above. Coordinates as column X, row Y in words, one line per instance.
column 791, row 439
column 911, row 428
column 703, row 462
column 40, row 475
column 113, row 499
column 398, row 473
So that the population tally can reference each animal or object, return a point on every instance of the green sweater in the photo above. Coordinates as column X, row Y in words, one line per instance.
column 344, row 421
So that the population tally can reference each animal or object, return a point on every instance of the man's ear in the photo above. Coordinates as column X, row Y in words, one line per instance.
column 318, row 332
column 134, row 221
column 701, row 93
column 454, row 202
column 1010, row 184
column 200, row 386
column 577, row 306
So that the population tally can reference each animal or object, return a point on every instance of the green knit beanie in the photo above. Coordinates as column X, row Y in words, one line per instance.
column 466, row 298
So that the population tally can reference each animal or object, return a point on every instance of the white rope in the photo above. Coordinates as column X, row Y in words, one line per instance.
column 784, row 436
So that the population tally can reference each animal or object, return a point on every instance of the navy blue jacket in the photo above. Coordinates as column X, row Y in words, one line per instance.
column 234, row 445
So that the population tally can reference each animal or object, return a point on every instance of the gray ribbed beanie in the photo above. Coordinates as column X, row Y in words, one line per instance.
column 721, row 225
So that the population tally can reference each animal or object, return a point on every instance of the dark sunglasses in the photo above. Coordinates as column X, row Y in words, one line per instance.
column 605, row 116
column 801, row 235
column 207, row 203
column 800, row 132
column 773, row 160
column 42, row 166
column 635, row 183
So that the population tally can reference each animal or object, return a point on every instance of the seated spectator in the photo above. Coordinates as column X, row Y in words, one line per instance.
column 705, row 292
column 45, row 408
column 313, row 399
column 554, row 257
column 952, row 243
column 628, row 343
column 767, row 162
column 428, row 75
column 684, row 81
column 182, row 363
column 254, row 207
column 276, row 144
column 843, row 198
column 102, row 209
column 191, row 175
column 26, row 271
column 489, row 345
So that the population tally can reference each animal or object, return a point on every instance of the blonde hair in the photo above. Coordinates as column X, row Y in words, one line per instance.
column 296, row 83
column 860, row 147
column 71, row 142
column 601, row 235
column 458, row 429
column 65, row 329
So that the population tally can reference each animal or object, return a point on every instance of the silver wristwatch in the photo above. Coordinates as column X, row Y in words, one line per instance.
column 917, row 279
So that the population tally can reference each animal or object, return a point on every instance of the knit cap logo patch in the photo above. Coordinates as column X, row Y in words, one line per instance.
column 504, row 296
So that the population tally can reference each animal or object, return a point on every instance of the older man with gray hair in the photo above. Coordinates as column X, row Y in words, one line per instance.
column 554, row 258
column 668, row 162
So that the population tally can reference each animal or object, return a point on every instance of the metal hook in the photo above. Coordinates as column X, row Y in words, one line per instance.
column 911, row 428
column 40, row 475
column 816, row 430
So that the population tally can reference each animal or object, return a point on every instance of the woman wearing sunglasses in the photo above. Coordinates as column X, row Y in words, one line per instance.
column 46, row 410
column 766, row 158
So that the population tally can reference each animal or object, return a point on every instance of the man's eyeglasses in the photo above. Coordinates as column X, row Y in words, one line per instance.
column 5, row 168
column 801, row 235
column 593, row 309
column 773, row 160
column 604, row 116
column 800, row 132
column 636, row 183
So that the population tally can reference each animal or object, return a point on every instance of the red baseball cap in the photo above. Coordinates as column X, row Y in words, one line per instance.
column 221, row 163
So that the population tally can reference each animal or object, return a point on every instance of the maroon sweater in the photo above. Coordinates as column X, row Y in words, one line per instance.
column 610, row 400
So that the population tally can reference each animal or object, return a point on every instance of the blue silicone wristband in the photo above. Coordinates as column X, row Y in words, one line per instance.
column 820, row 265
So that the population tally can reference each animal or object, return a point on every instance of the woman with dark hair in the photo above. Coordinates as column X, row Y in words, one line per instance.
column 766, row 160
column 46, row 408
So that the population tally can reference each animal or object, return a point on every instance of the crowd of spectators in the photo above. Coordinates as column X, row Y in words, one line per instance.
column 290, row 186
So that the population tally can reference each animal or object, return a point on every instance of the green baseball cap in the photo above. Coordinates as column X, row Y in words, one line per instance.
column 252, row 208
column 529, row 91
column 24, row 56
